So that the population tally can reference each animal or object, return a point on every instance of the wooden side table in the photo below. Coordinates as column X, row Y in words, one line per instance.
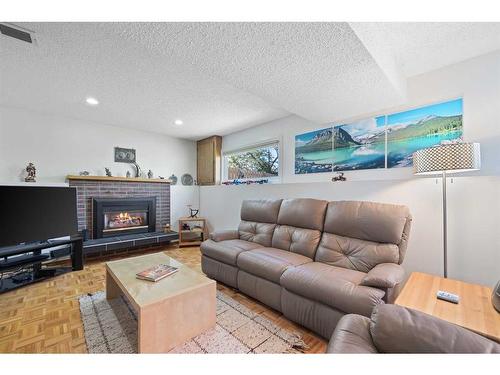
column 474, row 311
column 196, row 233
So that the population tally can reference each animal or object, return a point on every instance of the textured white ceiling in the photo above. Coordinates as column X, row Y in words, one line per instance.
column 222, row 77
column 419, row 47
column 136, row 87
column 320, row 71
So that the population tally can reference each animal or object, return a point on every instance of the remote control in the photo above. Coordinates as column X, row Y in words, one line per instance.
column 445, row 296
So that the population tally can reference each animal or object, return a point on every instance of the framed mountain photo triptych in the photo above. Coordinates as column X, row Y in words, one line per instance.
column 386, row 141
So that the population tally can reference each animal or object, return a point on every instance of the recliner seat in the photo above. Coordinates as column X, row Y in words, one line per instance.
column 228, row 251
column 332, row 286
column 270, row 263
column 313, row 260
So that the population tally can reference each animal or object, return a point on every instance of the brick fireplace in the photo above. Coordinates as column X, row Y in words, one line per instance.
column 89, row 188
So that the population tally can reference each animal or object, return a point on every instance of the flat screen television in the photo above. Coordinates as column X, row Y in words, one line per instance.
column 35, row 213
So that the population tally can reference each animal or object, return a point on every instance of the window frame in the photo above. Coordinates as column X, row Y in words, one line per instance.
column 249, row 147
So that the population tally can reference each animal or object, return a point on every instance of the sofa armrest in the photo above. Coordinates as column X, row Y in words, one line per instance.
column 224, row 235
column 384, row 275
column 352, row 335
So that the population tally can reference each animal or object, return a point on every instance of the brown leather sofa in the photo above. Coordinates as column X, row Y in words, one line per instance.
column 313, row 260
column 395, row 329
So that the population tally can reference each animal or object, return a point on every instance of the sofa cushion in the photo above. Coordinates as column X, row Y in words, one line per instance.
column 224, row 235
column 226, row 251
column 303, row 213
column 260, row 233
column 262, row 211
column 333, row 286
column 377, row 222
column 353, row 253
column 297, row 240
column 269, row 263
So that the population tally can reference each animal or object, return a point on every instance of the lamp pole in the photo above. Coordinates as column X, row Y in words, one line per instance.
column 445, row 230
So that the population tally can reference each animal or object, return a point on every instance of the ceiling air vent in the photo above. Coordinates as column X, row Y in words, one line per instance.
column 17, row 32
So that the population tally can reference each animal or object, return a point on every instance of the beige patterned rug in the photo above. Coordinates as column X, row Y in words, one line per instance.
column 111, row 327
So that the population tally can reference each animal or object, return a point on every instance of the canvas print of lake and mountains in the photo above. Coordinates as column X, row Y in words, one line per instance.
column 314, row 151
column 362, row 144
column 420, row 128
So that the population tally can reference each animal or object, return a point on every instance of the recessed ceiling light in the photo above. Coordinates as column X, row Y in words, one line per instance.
column 178, row 122
column 92, row 101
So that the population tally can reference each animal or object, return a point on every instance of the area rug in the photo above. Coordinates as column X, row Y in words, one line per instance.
column 111, row 327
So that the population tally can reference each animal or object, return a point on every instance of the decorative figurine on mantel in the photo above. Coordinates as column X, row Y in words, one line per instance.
column 31, row 177
column 150, row 174
column 128, row 174
column 84, row 173
column 173, row 179
column 108, row 172
column 138, row 171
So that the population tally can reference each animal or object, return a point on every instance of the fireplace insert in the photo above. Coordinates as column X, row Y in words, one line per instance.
column 119, row 216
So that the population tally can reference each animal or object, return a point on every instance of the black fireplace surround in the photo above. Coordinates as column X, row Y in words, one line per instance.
column 119, row 216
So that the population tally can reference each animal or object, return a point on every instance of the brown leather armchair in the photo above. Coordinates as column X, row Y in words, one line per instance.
column 396, row 329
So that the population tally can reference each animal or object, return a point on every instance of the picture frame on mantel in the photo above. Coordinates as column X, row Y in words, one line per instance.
column 125, row 155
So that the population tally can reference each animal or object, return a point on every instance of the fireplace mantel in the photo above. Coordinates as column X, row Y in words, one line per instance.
column 121, row 179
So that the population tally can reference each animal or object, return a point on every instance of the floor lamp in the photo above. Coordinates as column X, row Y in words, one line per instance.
column 445, row 159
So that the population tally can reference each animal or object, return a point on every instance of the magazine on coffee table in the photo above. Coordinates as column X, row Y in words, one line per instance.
column 157, row 272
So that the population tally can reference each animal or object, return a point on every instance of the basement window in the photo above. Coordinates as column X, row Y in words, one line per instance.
column 257, row 162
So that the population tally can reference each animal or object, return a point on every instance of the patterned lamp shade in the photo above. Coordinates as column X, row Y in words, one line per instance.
column 451, row 158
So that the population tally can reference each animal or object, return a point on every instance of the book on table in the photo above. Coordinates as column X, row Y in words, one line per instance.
column 157, row 272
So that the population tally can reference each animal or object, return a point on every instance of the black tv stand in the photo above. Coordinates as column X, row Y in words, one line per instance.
column 30, row 256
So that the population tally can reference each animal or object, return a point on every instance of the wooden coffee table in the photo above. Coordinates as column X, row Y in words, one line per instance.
column 474, row 310
column 170, row 311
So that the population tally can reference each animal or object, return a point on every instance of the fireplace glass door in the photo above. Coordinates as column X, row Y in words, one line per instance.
column 124, row 220
column 121, row 216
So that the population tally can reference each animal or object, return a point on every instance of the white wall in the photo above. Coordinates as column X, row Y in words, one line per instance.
column 60, row 146
column 473, row 202
column 180, row 197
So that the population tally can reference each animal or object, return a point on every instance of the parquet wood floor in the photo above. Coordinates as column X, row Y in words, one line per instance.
column 45, row 317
